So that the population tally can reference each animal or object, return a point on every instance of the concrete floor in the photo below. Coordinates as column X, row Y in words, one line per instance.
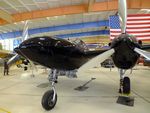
column 21, row 93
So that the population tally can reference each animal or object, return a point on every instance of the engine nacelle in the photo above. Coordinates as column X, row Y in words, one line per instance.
column 125, row 57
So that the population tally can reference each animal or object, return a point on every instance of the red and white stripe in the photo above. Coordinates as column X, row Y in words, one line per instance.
column 137, row 25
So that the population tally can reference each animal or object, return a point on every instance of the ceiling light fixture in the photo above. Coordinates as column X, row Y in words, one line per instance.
column 48, row 18
column 22, row 22
column 145, row 10
column 92, row 13
column 55, row 17
column 63, row 16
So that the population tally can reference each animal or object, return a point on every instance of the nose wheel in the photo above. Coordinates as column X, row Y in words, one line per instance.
column 125, row 90
column 126, row 85
column 49, row 100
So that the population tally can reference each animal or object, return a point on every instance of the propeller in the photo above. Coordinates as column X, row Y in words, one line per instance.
column 102, row 57
column 123, row 20
column 25, row 36
column 13, row 59
column 143, row 53
column 122, row 14
column 96, row 60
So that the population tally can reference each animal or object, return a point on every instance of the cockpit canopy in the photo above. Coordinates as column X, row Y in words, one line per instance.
column 80, row 44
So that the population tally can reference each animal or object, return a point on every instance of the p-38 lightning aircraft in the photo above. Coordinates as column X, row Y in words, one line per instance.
column 56, row 53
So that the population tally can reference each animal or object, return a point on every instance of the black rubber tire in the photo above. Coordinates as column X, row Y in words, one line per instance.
column 126, row 85
column 47, row 100
column 25, row 68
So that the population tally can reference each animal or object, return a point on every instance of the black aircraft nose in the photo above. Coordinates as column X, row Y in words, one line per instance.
column 17, row 50
column 34, row 48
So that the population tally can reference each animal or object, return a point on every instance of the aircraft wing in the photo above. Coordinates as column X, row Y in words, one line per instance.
column 96, row 60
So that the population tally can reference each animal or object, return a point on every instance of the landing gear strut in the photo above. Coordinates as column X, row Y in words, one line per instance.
column 124, row 90
column 124, row 83
column 49, row 98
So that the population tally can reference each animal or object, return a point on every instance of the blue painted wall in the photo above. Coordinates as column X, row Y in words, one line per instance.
column 58, row 28
column 16, row 42
column 91, row 33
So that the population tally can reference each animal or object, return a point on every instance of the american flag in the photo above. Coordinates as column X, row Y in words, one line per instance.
column 137, row 25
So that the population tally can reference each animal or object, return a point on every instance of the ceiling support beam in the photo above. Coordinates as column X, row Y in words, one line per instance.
column 5, row 16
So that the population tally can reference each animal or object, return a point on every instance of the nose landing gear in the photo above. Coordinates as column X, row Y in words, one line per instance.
column 126, row 85
column 125, row 90
column 49, row 98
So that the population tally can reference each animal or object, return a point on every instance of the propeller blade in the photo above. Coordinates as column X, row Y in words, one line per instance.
column 122, row 14
column 143, row 53
column 96, row 60
column 24, row 37
column 25, row 31
column 13, row 59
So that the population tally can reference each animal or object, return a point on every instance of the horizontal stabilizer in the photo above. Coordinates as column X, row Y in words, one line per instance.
column 96, row 60
column 143, row 53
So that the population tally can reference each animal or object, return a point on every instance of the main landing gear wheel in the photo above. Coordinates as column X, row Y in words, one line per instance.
column 126, row 85
column 125, row 98
column 48, row 102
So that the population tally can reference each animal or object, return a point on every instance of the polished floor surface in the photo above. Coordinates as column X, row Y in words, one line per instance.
column 20, row 92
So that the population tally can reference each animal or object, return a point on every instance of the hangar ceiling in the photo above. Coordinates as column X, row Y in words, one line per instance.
column 20, row 6
column 58, row 20
column 15, row 6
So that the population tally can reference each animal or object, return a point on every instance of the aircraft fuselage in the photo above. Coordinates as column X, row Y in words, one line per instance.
column 55, row 53
column 61, row 54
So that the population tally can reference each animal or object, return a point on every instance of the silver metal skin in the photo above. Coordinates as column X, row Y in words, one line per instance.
column 53, row 78
column 122, row 75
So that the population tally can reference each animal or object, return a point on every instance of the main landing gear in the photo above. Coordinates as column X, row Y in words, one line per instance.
column 49, row 98
column 125, row 90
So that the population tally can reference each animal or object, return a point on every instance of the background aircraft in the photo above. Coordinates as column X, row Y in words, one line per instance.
column 61, row 54
column 6, row 54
